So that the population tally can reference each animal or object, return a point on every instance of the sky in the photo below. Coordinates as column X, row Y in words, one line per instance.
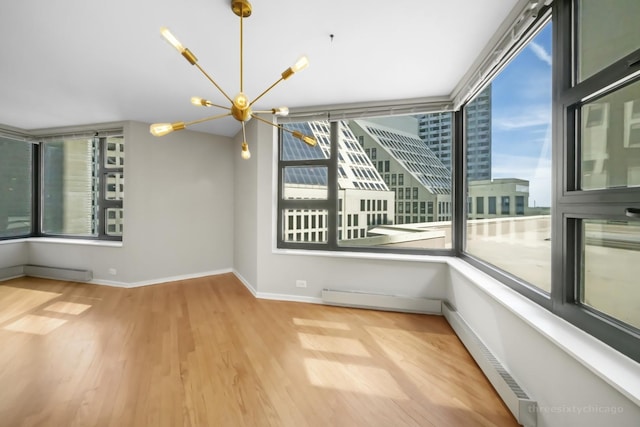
column 521, row 119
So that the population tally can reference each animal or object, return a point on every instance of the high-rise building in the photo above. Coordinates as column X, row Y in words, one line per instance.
column 435, row 129
column 420, row 181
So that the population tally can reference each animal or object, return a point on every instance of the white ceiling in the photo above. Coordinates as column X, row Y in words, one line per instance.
column 74, row 62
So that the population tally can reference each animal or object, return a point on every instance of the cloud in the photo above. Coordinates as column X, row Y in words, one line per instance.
column 540, row 52
column 513, row 119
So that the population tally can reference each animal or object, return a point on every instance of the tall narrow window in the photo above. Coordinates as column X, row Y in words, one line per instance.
column 16, row 187
column 508, row 158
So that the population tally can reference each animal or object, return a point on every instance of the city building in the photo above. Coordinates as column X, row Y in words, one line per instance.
column 436, row 129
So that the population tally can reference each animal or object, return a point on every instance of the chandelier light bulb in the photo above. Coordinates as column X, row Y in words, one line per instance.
column 301, row 64
column 281, row 111
column 245, row 154
column 171, row 39
column 197, row 101
column 162, row 129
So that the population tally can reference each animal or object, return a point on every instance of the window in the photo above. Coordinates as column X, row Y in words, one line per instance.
column 599, row 186
column 82, row 186
column 309, row 182
column 492, row 205
column 16, row 187
column 517, row 164
column 505, row 210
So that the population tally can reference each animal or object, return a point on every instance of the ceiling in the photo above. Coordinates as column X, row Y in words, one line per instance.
column 76, row 62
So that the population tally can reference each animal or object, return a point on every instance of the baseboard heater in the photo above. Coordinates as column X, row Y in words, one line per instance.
column 12, row 272
column 381, row 302
column 70, row 274
column 523, row 408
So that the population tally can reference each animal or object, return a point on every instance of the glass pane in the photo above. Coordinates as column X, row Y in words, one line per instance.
column 114, row 152
column 305, row 182
column 16, row 187
column 309, row 226
column 508, row 157
column 114, row 186
column 605, row 33
column 114, row 221
column 395, row 181
column 294, row 149
column 610, row 140
column 69, row 182
column 611, row 267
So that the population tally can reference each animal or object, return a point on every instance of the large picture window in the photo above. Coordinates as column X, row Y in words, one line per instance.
column 379, row 163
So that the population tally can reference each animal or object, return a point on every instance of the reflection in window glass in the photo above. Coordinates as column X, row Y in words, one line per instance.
column 302, row 182
column 508, row 158
column 70, row 175
column 610, row 140
column 611, row 267
column 605, row 33
column 16, row 189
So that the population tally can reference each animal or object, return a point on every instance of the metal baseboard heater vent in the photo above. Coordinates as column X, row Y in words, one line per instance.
column 381, row 302
column 523, row 408
column 69, row 274
column 7, row 273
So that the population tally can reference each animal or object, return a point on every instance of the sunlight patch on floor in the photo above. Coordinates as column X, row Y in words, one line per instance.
column 353, row 378
column 33, row 324
column 339, row 345
column 17, row 301
column 321, row 324
column 66, row 307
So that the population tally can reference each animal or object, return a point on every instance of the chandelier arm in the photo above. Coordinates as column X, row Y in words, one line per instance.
column 220, row 106
column 275, row 125
column 206, row 119
column 213, row 81
column 265, row 92
column 244, row 135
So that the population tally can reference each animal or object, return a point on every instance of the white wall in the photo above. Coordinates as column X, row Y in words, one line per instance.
column 178, row 212
column 245, row 259
column 568, row 394
column 13, row 253
column 277, row 272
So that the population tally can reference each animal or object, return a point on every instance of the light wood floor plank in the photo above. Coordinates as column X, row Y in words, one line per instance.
column 205, row 352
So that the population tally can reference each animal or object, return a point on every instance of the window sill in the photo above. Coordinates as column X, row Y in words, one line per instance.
column 81, row 242
column 613, row 367
column 363, row 255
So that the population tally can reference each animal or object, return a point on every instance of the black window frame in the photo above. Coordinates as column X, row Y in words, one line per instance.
column 100, row 137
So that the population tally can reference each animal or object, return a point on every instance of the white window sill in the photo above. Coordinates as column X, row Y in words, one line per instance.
column 363, row 255
column 81, row 242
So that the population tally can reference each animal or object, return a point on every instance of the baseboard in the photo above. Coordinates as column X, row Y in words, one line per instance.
column 70, row 274
column 381, row 301
column 177, row 278
column 246, row 283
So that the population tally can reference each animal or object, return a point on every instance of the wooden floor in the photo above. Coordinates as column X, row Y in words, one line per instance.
column 205, row 352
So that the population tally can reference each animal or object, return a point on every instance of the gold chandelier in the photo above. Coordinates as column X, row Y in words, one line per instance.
column 240, row 108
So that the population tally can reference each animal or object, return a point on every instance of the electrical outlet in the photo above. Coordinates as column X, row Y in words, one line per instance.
column 113, row 271
column 301, row 283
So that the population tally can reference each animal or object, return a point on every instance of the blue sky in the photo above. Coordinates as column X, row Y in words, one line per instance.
column 521, row 119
